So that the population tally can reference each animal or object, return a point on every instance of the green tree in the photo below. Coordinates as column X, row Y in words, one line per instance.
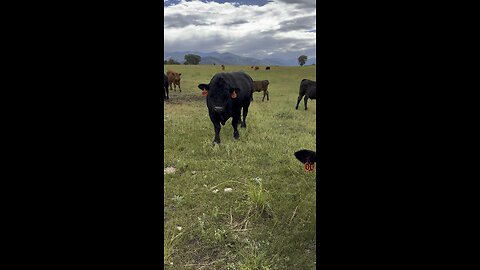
column 172, row 62
column 192, row 59
column 302, row 59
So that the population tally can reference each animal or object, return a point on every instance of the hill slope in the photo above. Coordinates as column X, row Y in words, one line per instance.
column 233, row 59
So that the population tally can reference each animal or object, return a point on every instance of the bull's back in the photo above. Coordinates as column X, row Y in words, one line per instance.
column 260, row 85
column 308, row 87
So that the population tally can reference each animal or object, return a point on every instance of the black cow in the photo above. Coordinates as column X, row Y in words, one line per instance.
column 165, row 86
column 306, row 156
column 267, row 68
column 308, row 89
column 227, row 94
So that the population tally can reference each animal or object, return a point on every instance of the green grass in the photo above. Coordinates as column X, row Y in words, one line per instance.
column 268, row 220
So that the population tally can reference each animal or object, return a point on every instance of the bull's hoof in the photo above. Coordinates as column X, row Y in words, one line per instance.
column 236, row 135
column 243, row 125
column 296, row 108
column 305, row 109
column 216, row 143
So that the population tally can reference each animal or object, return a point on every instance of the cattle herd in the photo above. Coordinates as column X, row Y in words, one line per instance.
column 228, row 95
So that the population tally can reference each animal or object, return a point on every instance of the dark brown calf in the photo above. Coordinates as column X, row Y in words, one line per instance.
column 259, row 86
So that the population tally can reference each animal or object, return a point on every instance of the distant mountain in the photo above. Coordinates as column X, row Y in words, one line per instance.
column 233, row 59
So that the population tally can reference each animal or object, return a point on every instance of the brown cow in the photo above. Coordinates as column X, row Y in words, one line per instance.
column 257, row 68
column 260, row 86
column 223, row 67
column 174, row 78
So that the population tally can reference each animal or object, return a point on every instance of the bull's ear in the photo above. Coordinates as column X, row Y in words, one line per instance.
column 234, row 92
column 203, row 86
column 306, row 156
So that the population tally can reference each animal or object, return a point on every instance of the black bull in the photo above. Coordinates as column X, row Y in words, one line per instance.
column 227, row 94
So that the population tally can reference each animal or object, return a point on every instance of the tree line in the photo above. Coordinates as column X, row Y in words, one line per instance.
column 193, row 59
column 190, row 59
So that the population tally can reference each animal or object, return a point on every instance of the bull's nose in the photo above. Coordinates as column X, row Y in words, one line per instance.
column 218, row 109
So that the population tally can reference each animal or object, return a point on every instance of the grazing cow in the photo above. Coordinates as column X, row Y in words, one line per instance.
column 227, row 94
column 165, row 86
column 223, row 67
column 251, row 67
column 308, row 89
column 267, row 68
column 257, row 68
column 174, row 78
column 260, row 86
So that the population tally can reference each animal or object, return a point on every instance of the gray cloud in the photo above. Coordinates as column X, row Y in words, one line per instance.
column 239, row 21
column 304, row 23
column 302, row 3
column 180, row 20
column 276, row 29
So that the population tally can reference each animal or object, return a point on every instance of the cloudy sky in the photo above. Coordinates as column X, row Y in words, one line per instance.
column 253, row 28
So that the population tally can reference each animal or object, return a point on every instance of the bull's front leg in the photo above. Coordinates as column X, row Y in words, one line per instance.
column 217, row 127
column 245, row 112
column 235, row 121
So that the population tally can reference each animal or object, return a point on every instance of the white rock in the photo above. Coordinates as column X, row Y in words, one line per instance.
column 228, row 190
column 169, row 170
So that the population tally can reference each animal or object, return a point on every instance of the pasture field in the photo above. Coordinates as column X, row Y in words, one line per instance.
column 268, row 219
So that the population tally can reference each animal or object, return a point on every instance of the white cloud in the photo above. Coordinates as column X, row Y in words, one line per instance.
column 277, row 28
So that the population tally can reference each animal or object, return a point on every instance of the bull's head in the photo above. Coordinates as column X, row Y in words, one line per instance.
column 306, row 156
column 219, row 95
